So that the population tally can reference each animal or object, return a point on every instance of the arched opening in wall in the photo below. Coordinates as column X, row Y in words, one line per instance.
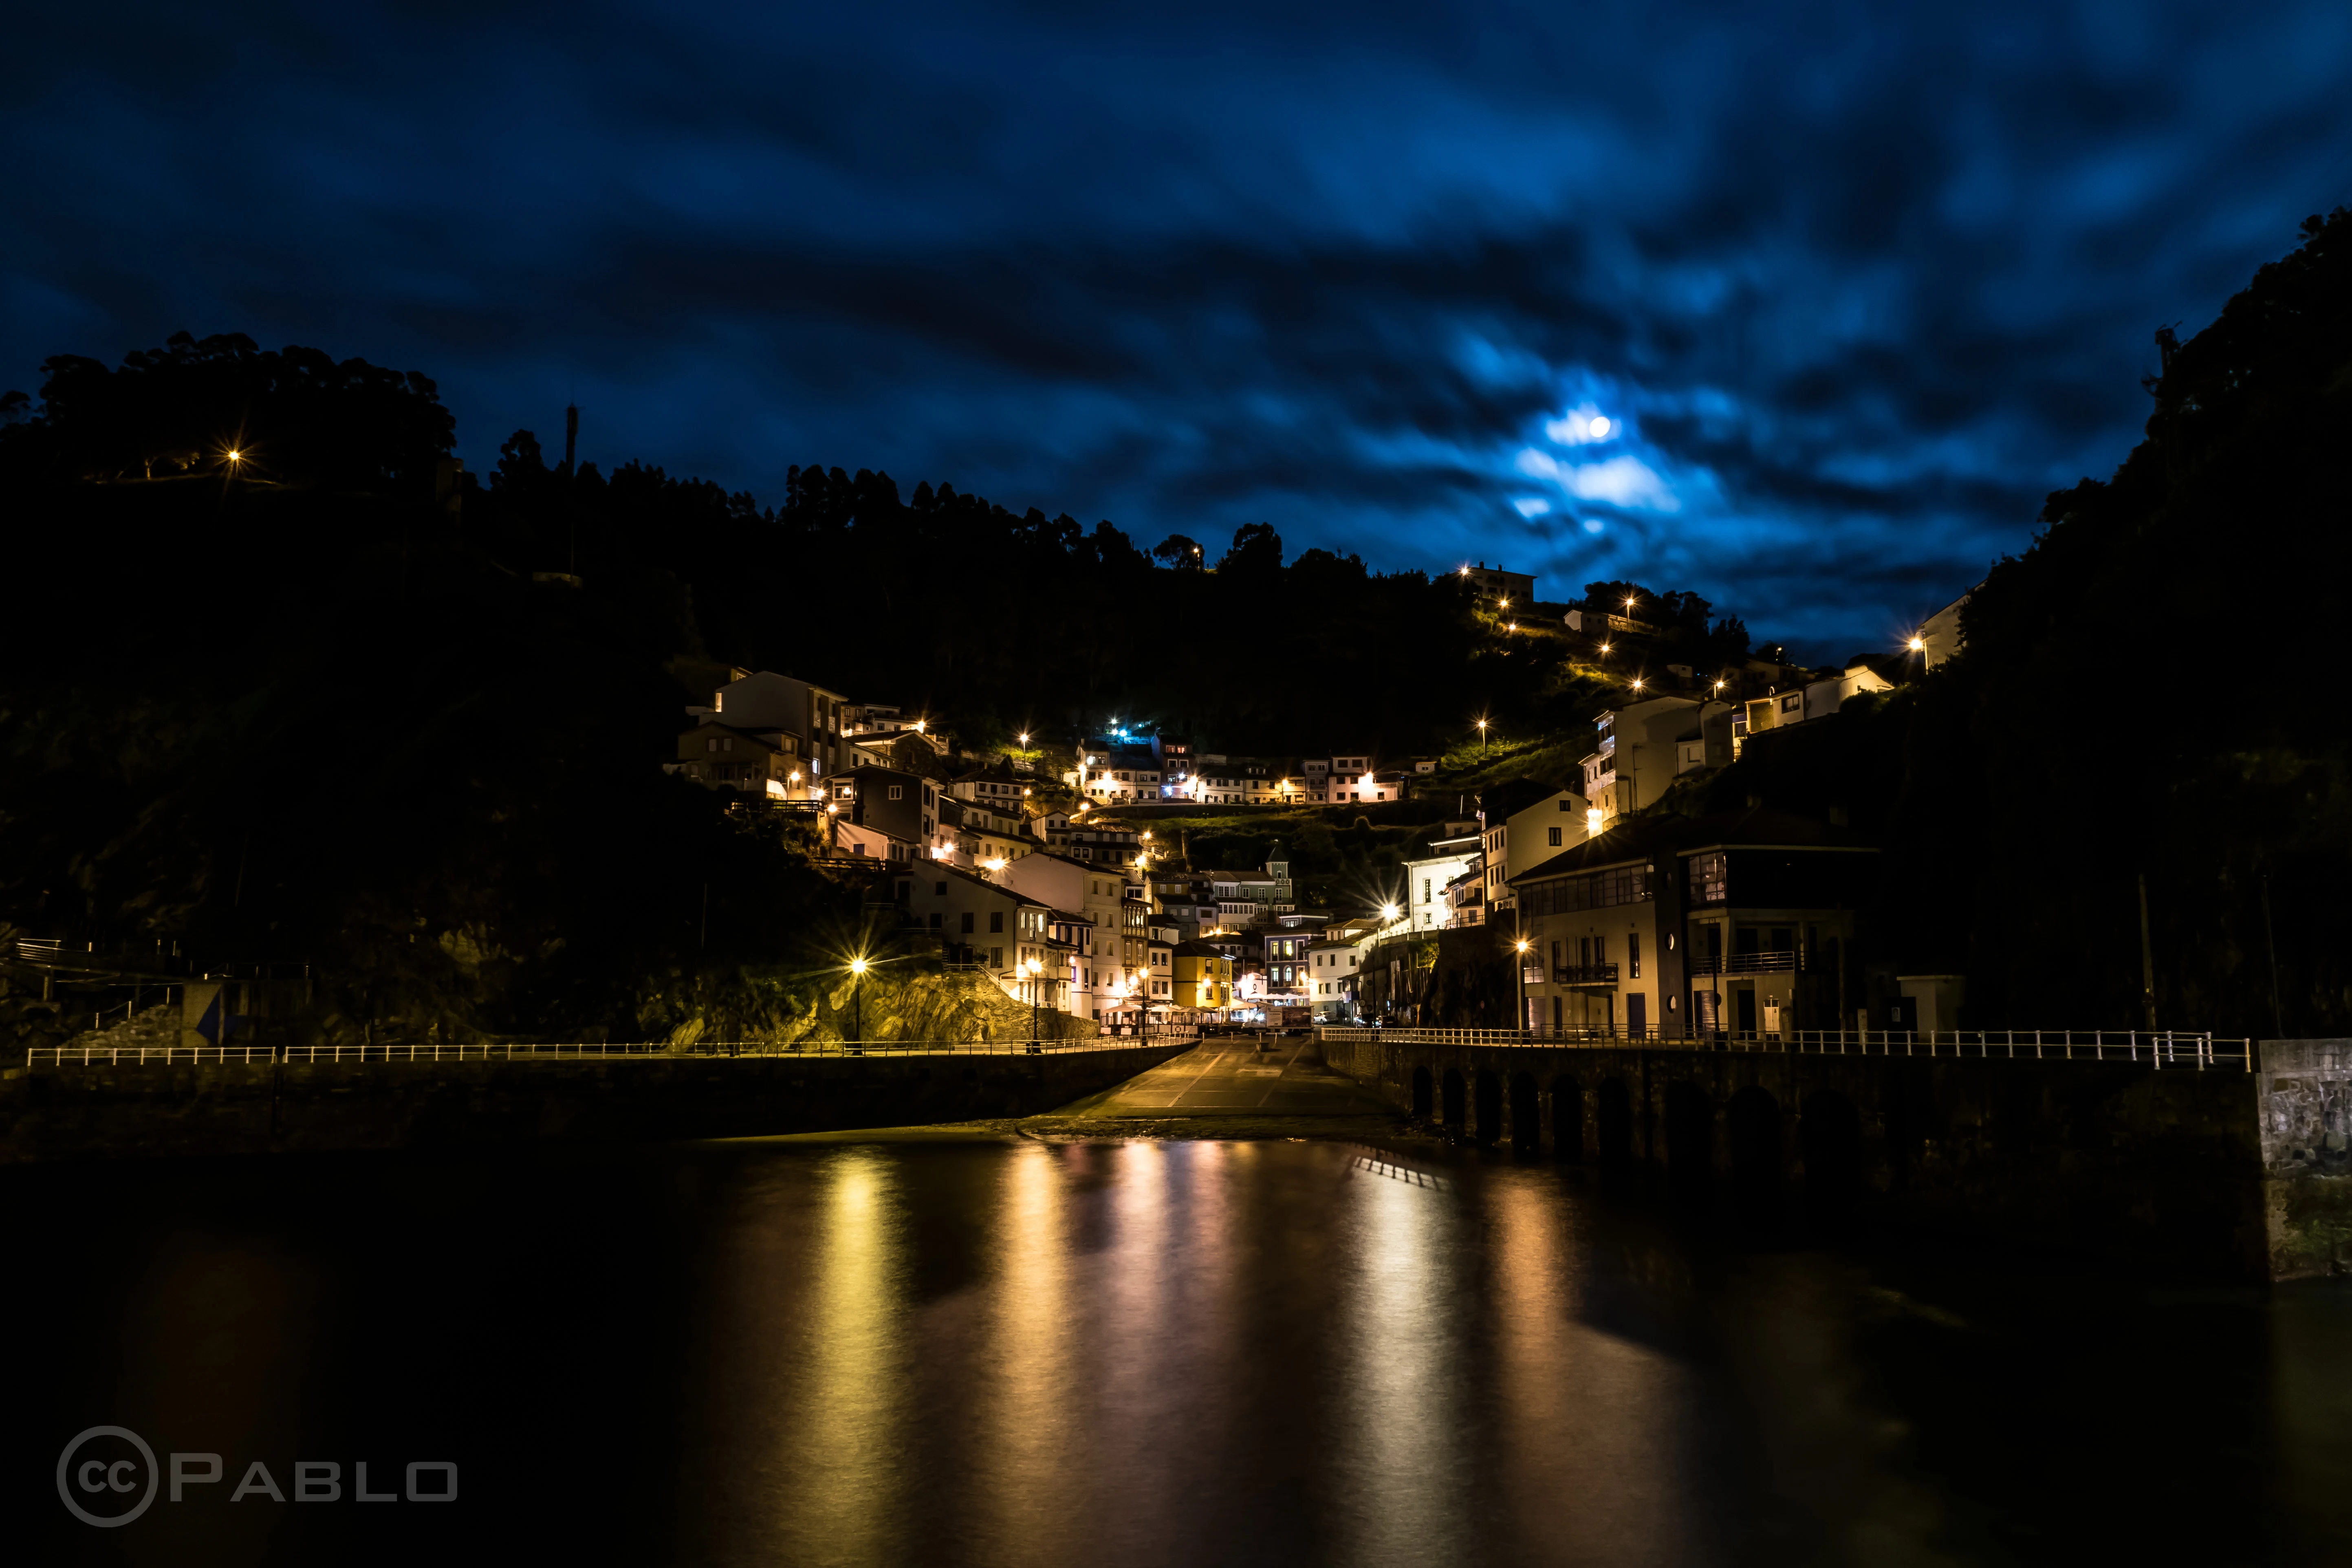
column 1690, row 1141
column 1455, row 1093
column 1612, row 1115
column 1490, row 1108
column 1424, row 1094
column 1526, row 1120
column 1754, row 1118
column 1829, row 1130
column 1568, row 1119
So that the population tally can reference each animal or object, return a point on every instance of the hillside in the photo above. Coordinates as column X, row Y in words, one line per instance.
column 2144, row 702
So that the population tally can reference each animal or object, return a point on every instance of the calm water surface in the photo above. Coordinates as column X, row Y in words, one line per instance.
column 1141, row 1352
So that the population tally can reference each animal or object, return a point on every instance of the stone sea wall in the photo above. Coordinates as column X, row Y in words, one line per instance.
column 117, row 1111
column 2116, row 1160
column 2307, row 1137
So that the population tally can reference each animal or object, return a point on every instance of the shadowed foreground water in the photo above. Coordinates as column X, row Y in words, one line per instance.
column 1140, row 1353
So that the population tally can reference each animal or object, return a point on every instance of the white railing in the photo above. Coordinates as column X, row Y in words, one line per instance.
column 2197, row 1050
column 133, row 1055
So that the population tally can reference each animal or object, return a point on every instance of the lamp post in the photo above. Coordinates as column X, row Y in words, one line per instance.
column 857, row 1043
column 1389, row 916
column 1520, row 947
column 1034, row 969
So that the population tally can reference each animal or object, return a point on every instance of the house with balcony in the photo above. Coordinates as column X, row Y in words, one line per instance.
column 1741, row 922
column 983, row 924
column 765, row 762
column 1643, row 747
column 1096, row 898
column 1769, row 902
column 1426, row 877
column 765, row 701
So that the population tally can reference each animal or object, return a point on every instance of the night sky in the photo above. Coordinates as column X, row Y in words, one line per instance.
column 1851, row 292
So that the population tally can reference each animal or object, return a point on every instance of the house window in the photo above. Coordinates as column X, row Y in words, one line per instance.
column 1555, row 837
column 1634, row 954
column 967, row 922
column 1706, row 878
column 997, row 958
column 996, row 920
column 897, row 791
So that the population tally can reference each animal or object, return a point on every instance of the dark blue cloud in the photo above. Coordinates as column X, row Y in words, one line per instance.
column 1853, row 292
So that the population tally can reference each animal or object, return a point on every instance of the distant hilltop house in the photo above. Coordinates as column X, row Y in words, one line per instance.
column 767, row 702
column 1939, row 635
column 1505, row 588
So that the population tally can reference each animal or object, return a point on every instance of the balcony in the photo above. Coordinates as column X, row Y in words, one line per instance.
column 1785, row 962
column 1584, row 975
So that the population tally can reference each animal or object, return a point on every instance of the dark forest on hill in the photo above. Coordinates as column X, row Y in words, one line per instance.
column 295, row 706
column 2146, row 697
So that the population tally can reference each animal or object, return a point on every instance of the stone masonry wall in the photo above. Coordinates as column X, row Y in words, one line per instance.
column 2109, row 1158
column 90, row 1112
column 2306, row 1134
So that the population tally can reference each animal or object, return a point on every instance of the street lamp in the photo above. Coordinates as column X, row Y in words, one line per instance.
column 858, row 969
column 1637, row 683
column 1034, row 969
column 1521, row 947
column 1025, row 737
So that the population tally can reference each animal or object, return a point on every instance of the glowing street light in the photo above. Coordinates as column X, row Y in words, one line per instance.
column 1918, row 645
column 1637, row 683
column 858, row 971
column 1025, row 737
column 1521, row 946
column 1593, row 821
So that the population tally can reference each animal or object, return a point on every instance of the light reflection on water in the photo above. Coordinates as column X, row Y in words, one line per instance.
column 1149, row 1352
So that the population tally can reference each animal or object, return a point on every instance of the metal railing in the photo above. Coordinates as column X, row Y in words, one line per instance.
column 2188, row 1049
column 134, row 1056
column 1781, row 961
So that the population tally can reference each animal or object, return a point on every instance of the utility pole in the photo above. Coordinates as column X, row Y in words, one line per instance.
column 2147, row 960
column 570, row 500
column 2269, row 941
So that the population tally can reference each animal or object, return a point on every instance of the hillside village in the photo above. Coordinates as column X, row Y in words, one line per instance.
column 1061, row 868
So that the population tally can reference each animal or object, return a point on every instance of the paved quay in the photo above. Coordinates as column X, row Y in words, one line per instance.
column 1231, row 1086
column 1264, row 1085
